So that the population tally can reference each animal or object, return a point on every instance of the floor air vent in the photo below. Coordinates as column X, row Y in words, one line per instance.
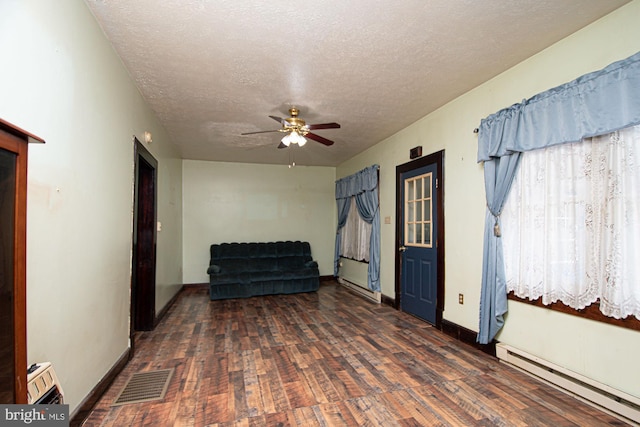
column 144, row 387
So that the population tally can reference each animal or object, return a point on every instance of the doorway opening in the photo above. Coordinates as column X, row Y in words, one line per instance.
column 143, row 277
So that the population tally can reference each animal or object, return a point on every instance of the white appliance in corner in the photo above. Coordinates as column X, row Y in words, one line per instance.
column 43, row 386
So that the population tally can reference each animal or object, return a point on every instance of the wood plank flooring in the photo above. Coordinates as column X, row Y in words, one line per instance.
column 327, row 358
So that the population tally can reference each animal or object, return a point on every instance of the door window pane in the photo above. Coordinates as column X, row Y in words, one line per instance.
column 418, row 206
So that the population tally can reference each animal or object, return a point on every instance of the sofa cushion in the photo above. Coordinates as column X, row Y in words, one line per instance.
column 249, row 265
column 290, row 263
column 262, row 250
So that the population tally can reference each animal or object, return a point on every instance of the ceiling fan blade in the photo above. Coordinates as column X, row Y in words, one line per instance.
column 282, row 145
column 324, row 126
column 261, row 131
column 279, row 120
column 319, row 139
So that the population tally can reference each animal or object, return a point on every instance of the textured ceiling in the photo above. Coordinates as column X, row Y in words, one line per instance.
column 212, row 70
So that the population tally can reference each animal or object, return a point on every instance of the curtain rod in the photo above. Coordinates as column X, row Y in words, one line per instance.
column 476, row 130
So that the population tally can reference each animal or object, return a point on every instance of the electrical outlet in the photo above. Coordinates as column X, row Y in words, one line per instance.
column 460, row 299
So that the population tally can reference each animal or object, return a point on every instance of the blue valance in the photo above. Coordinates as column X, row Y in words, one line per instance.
column 364, row 180
column 594, row 104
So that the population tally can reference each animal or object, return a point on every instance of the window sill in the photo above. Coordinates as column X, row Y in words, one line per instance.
column 355, row 260
column 591, row 312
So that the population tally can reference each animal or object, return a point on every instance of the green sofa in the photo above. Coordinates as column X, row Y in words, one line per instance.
column 242, row 270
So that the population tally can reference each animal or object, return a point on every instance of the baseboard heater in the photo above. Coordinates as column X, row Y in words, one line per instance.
column 364, row 292
column 608, row 399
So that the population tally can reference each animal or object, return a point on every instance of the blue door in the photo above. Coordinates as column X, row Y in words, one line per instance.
column 419, row 271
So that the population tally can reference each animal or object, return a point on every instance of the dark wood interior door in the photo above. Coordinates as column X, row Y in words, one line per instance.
column 13, row 263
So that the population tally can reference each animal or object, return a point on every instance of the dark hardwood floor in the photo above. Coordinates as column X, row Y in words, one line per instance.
column 325, row 359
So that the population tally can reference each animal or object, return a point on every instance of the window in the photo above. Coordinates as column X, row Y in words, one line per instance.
column 418, row 207
column 363, row 186
column 593, row 104
column 356, row 235
column 572, row 225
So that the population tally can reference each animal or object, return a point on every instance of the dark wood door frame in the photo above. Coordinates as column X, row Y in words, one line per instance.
column 15, row 141
column 143, row 271
column 438, row 159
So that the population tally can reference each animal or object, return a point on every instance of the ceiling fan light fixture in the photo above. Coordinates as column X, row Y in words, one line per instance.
column 294, row 138
column 286, row 140
column 296, row 129
column 299, row 139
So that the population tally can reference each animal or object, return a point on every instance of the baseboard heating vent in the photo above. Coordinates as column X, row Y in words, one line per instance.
column 364, row 292
column 602, row 396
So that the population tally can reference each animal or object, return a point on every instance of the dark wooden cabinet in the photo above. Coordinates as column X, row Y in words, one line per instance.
column 13, row 262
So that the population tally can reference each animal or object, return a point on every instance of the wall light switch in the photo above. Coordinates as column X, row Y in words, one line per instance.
column 159, row 228
column 460, row 299
column 387, row 220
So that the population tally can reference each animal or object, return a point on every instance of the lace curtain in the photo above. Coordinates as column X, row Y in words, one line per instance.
column 356, row 236
column 571, row 224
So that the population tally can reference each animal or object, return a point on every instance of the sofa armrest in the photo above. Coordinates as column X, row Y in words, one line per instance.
column 213, row 269
column 311, row 264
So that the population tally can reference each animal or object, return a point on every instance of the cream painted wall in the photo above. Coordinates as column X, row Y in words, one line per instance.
column 602, row 352
column 354, row 271
column 61, row 80
column 238, row 202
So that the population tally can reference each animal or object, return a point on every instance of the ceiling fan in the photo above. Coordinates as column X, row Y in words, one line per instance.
column 296, row 130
